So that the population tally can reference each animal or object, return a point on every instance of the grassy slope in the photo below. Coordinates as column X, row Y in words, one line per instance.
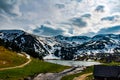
column 34, row 67
column 9, row 58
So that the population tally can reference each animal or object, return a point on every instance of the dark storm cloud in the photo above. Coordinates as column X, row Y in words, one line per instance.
column 78, row 22
column 100, row 8
column 10, row 7
column 111, row 30
column 47, row 31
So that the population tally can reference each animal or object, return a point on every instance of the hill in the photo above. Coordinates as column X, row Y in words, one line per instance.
column 10, row 59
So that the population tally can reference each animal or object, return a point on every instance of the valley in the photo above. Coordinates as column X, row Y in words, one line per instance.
column 59, row 39
column 103, row 47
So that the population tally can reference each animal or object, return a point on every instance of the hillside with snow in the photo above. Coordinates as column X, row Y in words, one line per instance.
column 21, row 41
column 59, row 47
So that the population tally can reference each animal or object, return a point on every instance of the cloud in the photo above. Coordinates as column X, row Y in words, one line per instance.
column 4, row 18
column 111, row 18
column 78, row 22
column 99, row 8
column 86, row 15
column 10, row 7
column 77, row 0
column 90, row 34
column 47, row 22
column 111, row 30
column 47, row 31
column 67, row 17
column 59, row 6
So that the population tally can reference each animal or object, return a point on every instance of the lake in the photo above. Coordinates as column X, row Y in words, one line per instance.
column 73, row 63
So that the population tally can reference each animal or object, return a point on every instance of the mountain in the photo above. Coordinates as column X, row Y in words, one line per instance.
column 70, row 47
column 105, row 43
column 18, row 40
column 59, row 46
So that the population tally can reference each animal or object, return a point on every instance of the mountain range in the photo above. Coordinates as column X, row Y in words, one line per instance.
column 61, row 47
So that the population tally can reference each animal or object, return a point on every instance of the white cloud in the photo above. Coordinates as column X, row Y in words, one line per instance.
column 29, row 14
column 10, row 7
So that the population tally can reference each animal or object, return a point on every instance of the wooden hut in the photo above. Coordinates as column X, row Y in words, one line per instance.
column 102, row 72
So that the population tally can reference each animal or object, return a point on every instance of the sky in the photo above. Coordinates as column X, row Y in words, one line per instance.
column 61, row 17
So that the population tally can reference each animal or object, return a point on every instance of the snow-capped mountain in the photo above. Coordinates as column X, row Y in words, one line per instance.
column 107, row 43
column 59, row 46
column 76, row 39
column 21, row 41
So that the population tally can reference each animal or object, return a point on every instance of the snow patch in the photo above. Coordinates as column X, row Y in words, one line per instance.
column 51, row 56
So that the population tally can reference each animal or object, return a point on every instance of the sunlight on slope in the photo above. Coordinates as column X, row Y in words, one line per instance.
column 9, row 58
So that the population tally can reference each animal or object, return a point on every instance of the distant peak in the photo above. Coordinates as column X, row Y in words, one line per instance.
column 12, row 31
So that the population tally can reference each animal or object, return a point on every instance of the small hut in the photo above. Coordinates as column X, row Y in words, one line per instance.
column 102, row 72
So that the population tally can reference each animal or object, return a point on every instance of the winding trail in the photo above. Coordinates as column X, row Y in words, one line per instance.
column 82, row 77
column 22, row 65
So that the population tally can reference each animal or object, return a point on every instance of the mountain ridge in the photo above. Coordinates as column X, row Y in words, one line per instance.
column 61, row 46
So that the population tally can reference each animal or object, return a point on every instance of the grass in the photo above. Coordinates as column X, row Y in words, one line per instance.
column 9, row 58
column 112, row 64
column 36, row 66
column 90, row 77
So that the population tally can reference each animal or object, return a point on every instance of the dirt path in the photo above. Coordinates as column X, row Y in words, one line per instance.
column 82, row 77
column 22, row 65
column 58, row 76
